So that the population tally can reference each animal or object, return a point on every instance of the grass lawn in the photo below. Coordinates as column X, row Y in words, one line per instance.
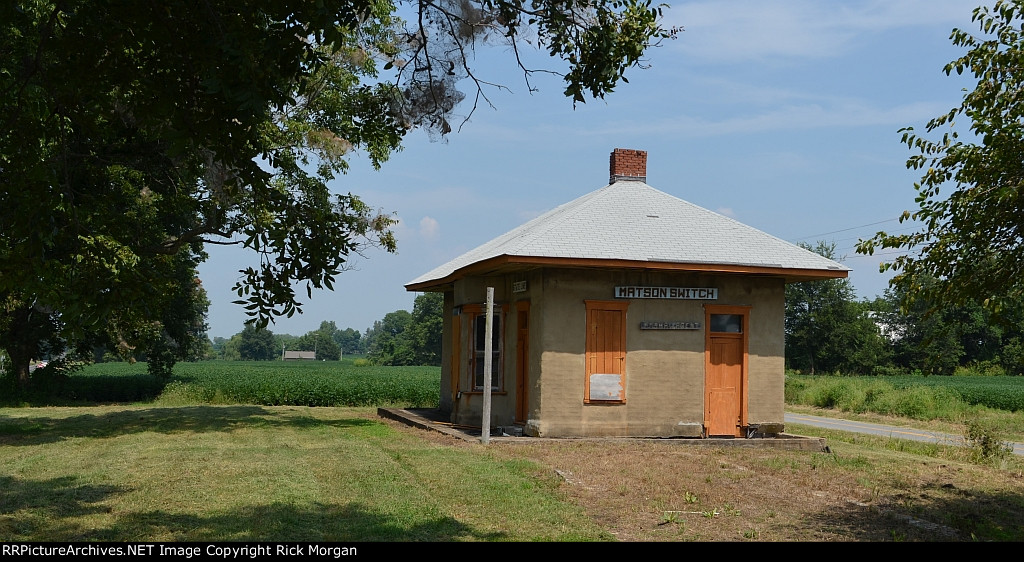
column 295, row 473
column 252, row 473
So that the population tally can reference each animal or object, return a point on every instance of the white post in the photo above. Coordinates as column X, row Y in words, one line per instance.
column 485, row 420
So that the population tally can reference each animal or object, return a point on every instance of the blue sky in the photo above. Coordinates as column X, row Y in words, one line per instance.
column 780, row 114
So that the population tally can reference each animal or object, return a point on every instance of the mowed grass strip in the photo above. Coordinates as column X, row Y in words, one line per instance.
column 252, row 473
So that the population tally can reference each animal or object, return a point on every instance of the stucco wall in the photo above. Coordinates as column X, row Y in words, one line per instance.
column 767, row 352
column 664, row 368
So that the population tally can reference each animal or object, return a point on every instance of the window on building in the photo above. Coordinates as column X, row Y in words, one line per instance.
column 727, row 323
column 606, row 352
column 477, row 345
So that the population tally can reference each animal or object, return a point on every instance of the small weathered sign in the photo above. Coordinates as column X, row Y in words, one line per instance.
column 670, row 325
column 605, row 387
column 519, row 286
column 683, row 293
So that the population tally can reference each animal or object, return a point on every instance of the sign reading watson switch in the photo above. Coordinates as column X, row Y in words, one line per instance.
column 684, row 293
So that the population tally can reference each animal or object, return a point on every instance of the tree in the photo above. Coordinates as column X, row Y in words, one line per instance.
column 167, row 326
column 971, row 193
column 422, row 339
column 939, row 338
column 383, row 340
column 350, row 341
column 827, row 330
column 321, row 341
column 227, row 349
column 923, row 338
column 27, row 330
column 257, row 344
column 179, row 333
column 134, row 133
column 404, row 338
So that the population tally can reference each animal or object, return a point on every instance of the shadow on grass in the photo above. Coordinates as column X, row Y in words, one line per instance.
column 958, row 515
column 58, row 497
column 281, row 522
column 42, row 510
column 50, row 510
column 35, row 430
column 277, row 522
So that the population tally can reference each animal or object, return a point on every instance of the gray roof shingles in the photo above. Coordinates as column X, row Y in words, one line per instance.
column 630, row 220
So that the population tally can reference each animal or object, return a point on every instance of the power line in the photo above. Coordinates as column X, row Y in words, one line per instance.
column 887, row 232
column 847, row 229
column 876, row 254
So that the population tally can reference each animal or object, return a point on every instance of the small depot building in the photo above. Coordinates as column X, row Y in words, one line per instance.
column 299, row 356
column 626, row 312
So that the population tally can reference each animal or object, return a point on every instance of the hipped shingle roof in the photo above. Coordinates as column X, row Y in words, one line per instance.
column 631, row 224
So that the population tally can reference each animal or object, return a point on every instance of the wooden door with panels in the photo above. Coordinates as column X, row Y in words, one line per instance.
column 725, row 370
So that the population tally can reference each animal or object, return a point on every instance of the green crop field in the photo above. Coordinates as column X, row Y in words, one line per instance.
column 1003, row 393
column 269, row 383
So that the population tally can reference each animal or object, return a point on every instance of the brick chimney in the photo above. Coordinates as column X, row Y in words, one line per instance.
column 628, row 164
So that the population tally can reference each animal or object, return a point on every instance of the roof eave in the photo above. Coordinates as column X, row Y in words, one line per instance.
column 495, row 264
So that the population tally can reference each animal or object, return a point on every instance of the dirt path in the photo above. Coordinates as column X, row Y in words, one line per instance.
column 656, row 491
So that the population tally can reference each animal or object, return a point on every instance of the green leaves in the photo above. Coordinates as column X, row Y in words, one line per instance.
column 599, row 40
column 130, row 132
column 827, row 330
column 971, row 193
column 403, row 338
column 134, row 133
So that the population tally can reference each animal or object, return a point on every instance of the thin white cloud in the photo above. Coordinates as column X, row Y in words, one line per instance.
column 814, row 116
column 747, row 30
column 429, row 228
column 784, row 118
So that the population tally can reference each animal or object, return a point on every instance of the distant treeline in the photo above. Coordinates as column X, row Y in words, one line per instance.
column 829, row 331
column 400, row 338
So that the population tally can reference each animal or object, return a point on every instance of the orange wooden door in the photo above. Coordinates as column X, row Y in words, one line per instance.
column 522, row 363
column 724, row 385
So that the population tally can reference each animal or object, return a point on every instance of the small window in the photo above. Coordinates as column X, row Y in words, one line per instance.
column 727, row 323
column 474, row 319
column 479, row 350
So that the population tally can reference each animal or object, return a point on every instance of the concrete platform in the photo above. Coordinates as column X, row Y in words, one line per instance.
column 434, row 420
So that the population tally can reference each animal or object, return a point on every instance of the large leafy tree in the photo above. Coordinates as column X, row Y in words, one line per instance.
column 971, row 193
column 404, row 338
column 937, row 339
column 134, row 133
column 321, row 341
column 827, row 330
column 257, row 344
column 421, row 341
column 384, row 339
column 350, row 341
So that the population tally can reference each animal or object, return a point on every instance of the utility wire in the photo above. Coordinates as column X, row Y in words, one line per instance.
column 846, row 229
column 876, row 254
column 887, row 232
